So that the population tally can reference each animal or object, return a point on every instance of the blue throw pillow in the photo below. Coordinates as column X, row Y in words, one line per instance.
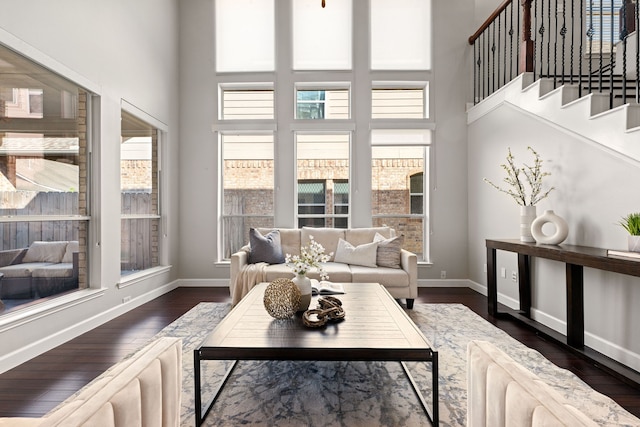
column 265, row 248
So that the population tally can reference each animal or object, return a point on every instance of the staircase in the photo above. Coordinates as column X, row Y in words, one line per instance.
column 617, row 129
column 591, row 93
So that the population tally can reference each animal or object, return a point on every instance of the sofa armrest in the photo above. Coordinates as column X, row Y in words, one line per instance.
column 409, row 263
column 12, row 256
column 238, row 261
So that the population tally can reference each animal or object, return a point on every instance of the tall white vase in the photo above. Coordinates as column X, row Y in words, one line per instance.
column 527, row 215
column 634, row 243
column 561, row 232
column 304, row 284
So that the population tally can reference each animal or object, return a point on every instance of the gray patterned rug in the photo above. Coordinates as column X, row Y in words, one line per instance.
column 277, row 393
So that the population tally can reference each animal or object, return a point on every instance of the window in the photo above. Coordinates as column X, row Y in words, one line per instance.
column 400, row 34
column 399, row 101
column 341, row 203
column 44, row 170
column 323, row 162
column 602, row 24
column 247, row 103
column 324, row 155
column 311, row 204
column 322, row 36
column 139, row 185
column 250, row 25
column 247, row 186
column 398, row 181
column 313, row 104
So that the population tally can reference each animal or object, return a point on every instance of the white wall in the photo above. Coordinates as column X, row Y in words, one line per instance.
column 199, row 161
column 121, row 50
column 594, row 189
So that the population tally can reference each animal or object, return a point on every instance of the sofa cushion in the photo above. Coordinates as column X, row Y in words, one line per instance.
column 388, row 277
column 337, row 272
column 22, row 270
column 62, row 269
column 327, row 237
column 358, row 236
column 364, row 255
column 388, row 254
column 289, row 239
column 45, row 251
column 265, row 248
column 72, row 247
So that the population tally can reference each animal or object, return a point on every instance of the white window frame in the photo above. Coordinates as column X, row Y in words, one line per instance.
column 360, row 80
column 162, row 129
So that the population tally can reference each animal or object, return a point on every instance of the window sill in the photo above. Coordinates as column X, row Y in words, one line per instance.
column 45, row 308
column 133, row 278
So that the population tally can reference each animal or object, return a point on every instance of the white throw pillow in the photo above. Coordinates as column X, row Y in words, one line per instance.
column 364, row 255
column 45, row 251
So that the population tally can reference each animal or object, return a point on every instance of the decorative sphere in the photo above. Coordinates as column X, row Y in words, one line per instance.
column 282, row 298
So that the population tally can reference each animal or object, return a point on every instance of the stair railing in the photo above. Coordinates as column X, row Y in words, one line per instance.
column 566, row 41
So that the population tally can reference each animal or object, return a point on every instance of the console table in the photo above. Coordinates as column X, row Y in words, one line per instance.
column 575, row 258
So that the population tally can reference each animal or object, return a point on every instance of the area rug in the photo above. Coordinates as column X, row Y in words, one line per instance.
column 283, row 393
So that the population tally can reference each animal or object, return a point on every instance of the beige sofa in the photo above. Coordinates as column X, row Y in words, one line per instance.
column 401, row 282
column 143, row 390
column 502, row 393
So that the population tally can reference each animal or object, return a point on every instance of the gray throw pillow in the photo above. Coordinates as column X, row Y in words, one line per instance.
column 265, row 248
column 388, row 254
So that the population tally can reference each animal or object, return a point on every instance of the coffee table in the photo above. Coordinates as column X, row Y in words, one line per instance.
column 376, row 328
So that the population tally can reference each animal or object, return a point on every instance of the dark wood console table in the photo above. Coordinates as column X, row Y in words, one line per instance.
column 575, row 258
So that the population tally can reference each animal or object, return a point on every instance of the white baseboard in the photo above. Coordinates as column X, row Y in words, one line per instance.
column 599, row 344
column 24, row 354
column 203, row 283
column 444, row 283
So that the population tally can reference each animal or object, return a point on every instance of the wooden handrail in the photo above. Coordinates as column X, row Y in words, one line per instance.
column 489, row 20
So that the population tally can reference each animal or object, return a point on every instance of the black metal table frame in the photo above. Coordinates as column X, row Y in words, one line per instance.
column 225, row 353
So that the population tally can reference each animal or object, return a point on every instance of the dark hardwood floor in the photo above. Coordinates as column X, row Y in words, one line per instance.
column 35, row 387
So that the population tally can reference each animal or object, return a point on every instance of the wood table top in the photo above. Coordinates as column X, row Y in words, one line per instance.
column 375, row 328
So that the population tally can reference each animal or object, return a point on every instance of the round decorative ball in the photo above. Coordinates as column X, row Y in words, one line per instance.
column 282, row 298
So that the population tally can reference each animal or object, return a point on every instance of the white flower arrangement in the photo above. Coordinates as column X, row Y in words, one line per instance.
column 533, row 178
column 310, row 257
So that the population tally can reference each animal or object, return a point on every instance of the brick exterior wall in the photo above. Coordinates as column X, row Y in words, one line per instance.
column 249, row 191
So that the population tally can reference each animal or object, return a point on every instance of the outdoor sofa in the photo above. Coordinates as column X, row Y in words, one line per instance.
column 41, row 270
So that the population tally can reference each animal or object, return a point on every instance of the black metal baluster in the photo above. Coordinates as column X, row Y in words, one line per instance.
column 485, row 35
column 493, row 58
column 623, row 37
column 518, row 42
column 563, row 33
column 573, row 32
column 611, row 57
column 601, row 47
column 549, row 41
column 475, row 73
column 637, row 10
column 580, row 50
column 511, row 43
column 498, row 50
column 590, row 33
column 504, row 51
column 555, row 44
column 541, row 32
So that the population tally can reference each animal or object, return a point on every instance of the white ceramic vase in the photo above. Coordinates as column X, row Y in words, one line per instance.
column 634, row 243
column 561, row 228
column 304, row 284
column 527, row 215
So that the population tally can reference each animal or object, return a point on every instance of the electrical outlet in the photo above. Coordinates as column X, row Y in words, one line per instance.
column 485, row 268
column 126, row 299
column 514, row 276
column 443, row 274
column 503, row 273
